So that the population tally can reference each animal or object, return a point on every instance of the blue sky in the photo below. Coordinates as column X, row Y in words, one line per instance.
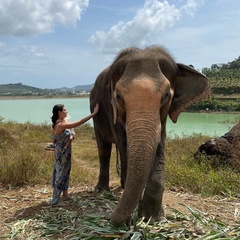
column 64, row 43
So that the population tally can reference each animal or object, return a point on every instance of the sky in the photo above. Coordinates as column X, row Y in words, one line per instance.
column 66, row 43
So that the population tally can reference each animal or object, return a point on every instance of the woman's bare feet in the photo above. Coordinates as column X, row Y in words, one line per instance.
column 61, row 203
column 66, row 196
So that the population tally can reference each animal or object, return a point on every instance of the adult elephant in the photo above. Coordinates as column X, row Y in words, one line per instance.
column 136, row 93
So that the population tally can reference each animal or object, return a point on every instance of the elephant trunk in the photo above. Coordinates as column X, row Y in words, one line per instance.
column 142, row 138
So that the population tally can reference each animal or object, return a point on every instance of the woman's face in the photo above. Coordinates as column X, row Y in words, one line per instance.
column 62, row 114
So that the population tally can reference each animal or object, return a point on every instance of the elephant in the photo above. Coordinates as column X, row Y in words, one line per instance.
column 136, row 94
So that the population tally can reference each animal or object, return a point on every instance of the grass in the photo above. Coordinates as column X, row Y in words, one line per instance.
column 182, row 170
column 24, row 161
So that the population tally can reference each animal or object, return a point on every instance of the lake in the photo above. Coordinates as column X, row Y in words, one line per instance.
column 39, row 111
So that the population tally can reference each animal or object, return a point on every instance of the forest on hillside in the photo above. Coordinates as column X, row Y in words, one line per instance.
column 224, row 80
column 224, row 77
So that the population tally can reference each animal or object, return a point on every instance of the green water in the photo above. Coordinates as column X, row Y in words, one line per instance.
column 39, row 111
column 211, row 124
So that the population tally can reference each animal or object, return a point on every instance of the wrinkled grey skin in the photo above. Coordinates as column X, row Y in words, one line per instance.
column 136, row 93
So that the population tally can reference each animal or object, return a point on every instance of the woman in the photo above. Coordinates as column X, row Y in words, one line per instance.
column 62, row 138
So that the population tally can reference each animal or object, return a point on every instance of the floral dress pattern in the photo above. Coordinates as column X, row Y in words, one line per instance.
column 62, row 165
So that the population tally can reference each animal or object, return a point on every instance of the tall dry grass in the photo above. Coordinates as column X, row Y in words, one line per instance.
column 24, row 160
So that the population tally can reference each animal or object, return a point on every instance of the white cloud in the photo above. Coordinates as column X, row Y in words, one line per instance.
column 26, row 17
column 152, row 18
column 149, row 22
column 29, row 56
column 195, row 37
column 191, row 6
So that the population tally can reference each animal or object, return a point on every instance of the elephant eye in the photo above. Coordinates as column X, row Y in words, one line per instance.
column 167, row 95
column 166, row 98
column 121, row 109
column 120, row 101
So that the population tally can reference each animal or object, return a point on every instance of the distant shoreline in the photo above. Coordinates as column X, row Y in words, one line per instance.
column 219, row 97
column 39, row 97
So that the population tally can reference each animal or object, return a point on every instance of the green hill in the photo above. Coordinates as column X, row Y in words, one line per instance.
column 19, row 89
column 224, row 78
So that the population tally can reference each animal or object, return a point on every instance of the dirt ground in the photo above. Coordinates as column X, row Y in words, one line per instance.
column 25, row 202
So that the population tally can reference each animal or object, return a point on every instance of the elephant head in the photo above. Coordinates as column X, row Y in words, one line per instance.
column 143, row 88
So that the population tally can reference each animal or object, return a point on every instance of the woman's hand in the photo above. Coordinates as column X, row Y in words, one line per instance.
column 96, row 108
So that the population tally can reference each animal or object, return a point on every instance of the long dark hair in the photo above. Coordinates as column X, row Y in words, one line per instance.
column 56, row 108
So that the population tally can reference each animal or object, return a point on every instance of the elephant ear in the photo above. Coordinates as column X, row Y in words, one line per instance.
column 114, row 104
column 189, row 87
column 111, row 89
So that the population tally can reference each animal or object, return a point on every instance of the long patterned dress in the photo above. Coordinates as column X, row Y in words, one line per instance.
column 62, row 165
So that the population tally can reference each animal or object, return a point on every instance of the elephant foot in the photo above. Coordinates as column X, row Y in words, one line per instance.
column 118, row 220
column 106, row 215
column 153, row 218
column 100, row 188
column 153, row 215
column 122, row 185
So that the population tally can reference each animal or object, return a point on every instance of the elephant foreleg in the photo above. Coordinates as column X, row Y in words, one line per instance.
column 104, row 152
column 122, row 148
column 151, row 203
column 123, row 170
